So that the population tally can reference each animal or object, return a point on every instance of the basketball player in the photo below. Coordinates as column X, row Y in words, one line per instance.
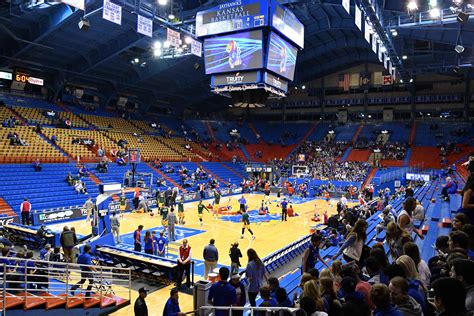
column 201, row 207
column 267, row 193
column 164, row 215
column 180, row 211
column 217, row 200
column 123, row 203
column 246, row 225
column 263, row 208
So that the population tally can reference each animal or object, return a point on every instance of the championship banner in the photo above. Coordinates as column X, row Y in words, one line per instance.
column 374, row 42
column 112, row 12
column 390, row 67
column 380, row 52
column 173, row 38
column 75, row 3
column 347, row 5
column 196, row 48
column 144, row 26
column 367, row 29
column 358, row 17
column 385, row 60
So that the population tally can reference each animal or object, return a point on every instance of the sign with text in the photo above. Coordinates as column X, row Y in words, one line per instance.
column 276, row 82
column 6, row 75
column 8, row 220
column 374, row 42
column 75, row 3
column 112, row 12
column 235, row 78
column 35, row 81
column 173, row 38
column 144, row 26
column 380, row 52
column 367, row 29
column 196, row 48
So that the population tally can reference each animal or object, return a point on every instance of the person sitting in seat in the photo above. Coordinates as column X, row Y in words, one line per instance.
column 102, row 167
column 69, row 179
column 120, row 161
column 37, row 165
column 83, row 171
column 450, row 187
column 80, row 187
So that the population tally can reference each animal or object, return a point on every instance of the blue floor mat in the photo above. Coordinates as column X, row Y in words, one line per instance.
column 254, row 217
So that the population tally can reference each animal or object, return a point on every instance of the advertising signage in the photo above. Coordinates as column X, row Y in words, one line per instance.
column 237, row 78
column 232, row 16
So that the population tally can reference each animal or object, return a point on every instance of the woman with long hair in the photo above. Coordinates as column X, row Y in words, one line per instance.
column 415, row 287
column 255, row 273
column 148, row 243
column 411, row 249
column 352, row 247
column 467, row 205
column 405, row 218
column 396, row 238
column 311, row 289
column 328, row 294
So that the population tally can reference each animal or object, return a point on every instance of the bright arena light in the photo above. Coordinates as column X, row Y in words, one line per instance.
column 404, row 57
column 412, row 6
column 157, row 45
column 188, row 40
column 166, row 44
column 157, row 52
column 162, row 2
column 171, row 16
column 435, row 13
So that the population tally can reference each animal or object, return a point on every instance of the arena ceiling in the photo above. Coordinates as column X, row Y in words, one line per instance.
column 45, row 38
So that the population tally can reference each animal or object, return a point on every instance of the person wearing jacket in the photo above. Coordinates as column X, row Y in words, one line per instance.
column 380, row 296
column 354, row 302
column 398, row 288
column 239, row 291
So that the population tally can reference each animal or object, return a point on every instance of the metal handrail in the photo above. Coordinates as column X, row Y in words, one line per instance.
column 205, row 310
column 56, row 277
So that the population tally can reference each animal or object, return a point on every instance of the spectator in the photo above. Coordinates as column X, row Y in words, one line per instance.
column 45, row 253
column 255, row 272
column 265, row 295
column 396, row 238
column 68, row 240
column 458, row 239
column 419, row 212
column 161, row 244
column 140, row 308
column 352, row 247
column 222, row 293
column 211, row 256
column 411, row 249
column 240, row 293
column 69, row 179
column 311, row 254
column 467, row 205
column 332, row 304
column 235, row 254
column 309, row 307
column 148, row 240
column 25, row 209
column 172, row 305
column 405, row 220
column 37, row 165
column 85, row 260
column 459, row 221
column 380, row 295
column 463, row 270
column 274, row 285
column 354, row 303
column 449, row 297
column 184, row 263
column 361, row 286
column 398, row 288
column 375, row 272
column 80, row 187
column 311, row 289
column 172, row 221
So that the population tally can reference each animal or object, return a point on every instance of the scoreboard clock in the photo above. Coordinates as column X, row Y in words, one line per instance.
column 26, row 78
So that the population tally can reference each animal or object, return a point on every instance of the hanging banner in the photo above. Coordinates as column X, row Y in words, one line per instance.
column 144, row 26
column 374, row 42
column 196, row 48
column 112, row 12
column 75, row 3
column 173, row 38
column 385, row 59
column 380, row 52
column 389, row 67
column 367, row 29
column 347, row 5
column 358, row 17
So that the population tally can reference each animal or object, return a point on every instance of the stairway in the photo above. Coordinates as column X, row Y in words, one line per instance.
column 303, row 139
column 346, row 154
column 254, row 130
column 412, row 134
column 212, row 173
column 18, row 116
column 5, row 208
column 357, row 133
column 46, row 139
column 232, row 170
column 406, row 161
column 369, row 177
column 166, row 177
column 246, row 153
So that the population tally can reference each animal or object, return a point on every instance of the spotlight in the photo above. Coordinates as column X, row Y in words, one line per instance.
column 412, row 5
column 462, row 17
column 157, row 45
column 303, row 87
column 435, row 13
column 401, row 80
column 162, row 2
column 136, row 60
column 459, row 49
column 157, row 52
column 188, row 40
column 171, row 16
column 458, row 2
column 411, row 80
column 394, row 32
column 433, row 3
column 166, row 44
column 404, row 57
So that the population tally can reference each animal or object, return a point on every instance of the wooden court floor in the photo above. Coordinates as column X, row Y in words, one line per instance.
column 270, row 236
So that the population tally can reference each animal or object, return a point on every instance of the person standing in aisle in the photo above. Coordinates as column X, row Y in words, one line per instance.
column 184, row 264
column 211, row 256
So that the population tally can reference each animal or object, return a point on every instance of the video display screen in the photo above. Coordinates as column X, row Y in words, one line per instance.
column 276, row 82
column 234, row 52
column 288, row 24
column 232, row 16
column 281, row 57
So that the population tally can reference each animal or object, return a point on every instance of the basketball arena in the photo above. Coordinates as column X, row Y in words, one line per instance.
column 172, row 157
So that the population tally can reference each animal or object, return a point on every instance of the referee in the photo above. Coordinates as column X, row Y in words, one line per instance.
column 284, row 209
column 242, row 203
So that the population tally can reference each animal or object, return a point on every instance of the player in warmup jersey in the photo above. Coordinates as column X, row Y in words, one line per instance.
column 316, row 217
column 263, row 210
column 123, row 203
column 246, row 225
column 217, row 200
column 201, row 208
column 164, row 215
column 180, row 211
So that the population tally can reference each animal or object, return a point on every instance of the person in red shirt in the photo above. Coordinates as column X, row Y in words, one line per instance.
column 184, row 264
column 136, row 197
column 137, row 235
column 25, row 209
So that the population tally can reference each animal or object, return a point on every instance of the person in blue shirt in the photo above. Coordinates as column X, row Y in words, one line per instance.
column 311, row 254
column 255, row 273
column 85, row 260
column 222, row 293
column 274, row 285
column 268, row 301
column 172, row 305
column 243, row 204
column 160, row 245
column 284, row 209
column 148, row 240
column 380, row 296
